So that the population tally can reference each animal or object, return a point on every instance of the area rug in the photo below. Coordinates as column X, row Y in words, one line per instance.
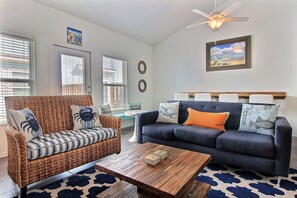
column 225, row 182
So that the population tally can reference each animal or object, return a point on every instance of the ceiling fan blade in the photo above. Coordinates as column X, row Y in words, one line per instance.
column 196, row 24
column 201, row 13
column 236, row 19
column 235, row 5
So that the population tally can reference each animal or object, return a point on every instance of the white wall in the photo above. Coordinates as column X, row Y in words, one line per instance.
column 180, row 59
column 47, row 26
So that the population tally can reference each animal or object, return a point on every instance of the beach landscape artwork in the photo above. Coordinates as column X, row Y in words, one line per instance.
column 74, row 36
column 228, row 54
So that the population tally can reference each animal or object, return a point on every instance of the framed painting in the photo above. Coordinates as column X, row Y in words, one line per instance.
column 74, row 36
column 229, row 54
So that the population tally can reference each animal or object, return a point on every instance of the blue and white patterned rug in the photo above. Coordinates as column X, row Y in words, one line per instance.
column 225, row 182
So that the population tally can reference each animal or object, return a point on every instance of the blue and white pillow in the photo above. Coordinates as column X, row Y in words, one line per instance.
column 25, row 121
column 85, row 117
column 105, row 109
column 258, row 118
column 168, row 112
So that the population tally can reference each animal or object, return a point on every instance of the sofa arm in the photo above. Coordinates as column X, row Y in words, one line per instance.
column 283, row 143
column 144, row 119
column 109, row 121
column 17, row 157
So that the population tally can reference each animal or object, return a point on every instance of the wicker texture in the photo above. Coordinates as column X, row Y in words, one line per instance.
column 54, row 114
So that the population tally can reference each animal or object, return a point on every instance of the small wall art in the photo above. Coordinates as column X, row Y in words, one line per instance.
column 229, row 54
column 74, row 36
column 142, row 85
column 141, row 67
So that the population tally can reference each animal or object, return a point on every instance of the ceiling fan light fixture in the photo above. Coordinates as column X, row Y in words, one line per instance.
column 216, row 23
column 217, row 18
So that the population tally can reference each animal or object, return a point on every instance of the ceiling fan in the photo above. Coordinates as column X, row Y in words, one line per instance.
column 218, row 18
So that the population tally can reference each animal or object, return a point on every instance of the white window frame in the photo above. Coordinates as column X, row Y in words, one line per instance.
column 124, row 85
column 31, row 80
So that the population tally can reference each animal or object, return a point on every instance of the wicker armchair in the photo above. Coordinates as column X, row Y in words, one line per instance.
column 53, row 114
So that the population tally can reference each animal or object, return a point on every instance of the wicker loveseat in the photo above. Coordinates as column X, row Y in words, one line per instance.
column 54, row 115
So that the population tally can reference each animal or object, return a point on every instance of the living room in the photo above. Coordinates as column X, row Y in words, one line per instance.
column 174, row 56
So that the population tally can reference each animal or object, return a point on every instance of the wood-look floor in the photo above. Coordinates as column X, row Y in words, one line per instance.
column 8, row 189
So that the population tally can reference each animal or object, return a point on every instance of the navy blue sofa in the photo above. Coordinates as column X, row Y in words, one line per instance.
column 244, row 149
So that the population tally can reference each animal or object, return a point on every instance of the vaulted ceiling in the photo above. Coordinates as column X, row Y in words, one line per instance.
column 149, row 21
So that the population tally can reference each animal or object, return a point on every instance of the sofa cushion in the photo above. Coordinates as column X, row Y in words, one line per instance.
column 246, row 143
column 197, row 135
column 53, row 143
column 25, row 121
column 160, row 130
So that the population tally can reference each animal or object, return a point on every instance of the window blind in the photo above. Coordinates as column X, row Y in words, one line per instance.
column 114, row 82
column 73, row 74
column 17, row 63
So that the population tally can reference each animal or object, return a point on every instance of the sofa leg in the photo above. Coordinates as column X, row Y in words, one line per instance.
column 279, row 180
column 24, row 192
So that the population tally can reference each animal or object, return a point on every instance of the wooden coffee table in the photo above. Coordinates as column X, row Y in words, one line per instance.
column 172, row 177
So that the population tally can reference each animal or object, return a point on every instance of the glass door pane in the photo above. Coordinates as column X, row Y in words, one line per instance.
column 72, row 75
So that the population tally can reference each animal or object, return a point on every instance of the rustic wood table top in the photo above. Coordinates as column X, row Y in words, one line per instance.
column 171, row 177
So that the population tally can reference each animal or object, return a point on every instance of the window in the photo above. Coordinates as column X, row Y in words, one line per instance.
column 114, row 82
column 72, row 71
column 17, row 63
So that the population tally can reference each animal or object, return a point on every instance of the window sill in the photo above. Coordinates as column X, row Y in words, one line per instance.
column 3, row 124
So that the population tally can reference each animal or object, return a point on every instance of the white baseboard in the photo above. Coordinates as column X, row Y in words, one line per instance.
column 4, row 154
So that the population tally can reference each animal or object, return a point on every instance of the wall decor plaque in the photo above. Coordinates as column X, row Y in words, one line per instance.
column 142, row 67
column 142, row 85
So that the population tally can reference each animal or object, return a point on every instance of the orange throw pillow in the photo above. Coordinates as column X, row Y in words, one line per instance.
column 207, row 119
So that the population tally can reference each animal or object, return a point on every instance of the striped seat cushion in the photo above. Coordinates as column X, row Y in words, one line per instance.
column 53, row 143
